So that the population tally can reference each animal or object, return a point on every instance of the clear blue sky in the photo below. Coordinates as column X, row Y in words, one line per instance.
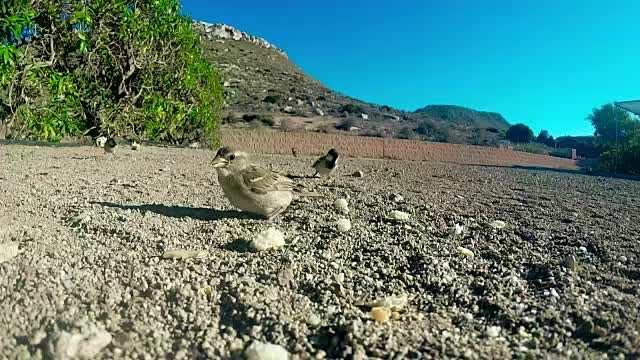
column 545, row 63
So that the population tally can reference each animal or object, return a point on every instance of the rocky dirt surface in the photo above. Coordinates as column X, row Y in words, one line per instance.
column 492, row 262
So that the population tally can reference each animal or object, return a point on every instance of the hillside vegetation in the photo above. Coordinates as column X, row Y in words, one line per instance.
column 263, row 87
column 105, row 67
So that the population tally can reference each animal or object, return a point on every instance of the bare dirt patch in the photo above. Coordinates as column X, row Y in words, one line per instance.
column 560, row 279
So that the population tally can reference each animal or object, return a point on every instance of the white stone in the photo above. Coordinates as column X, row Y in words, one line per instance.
column 341, row 205
column 265, row 351
column 318, row 111
column 364, row 116
column 399, row 215
column 465, row 252
column 343, row 225
column 87, row 345
column 498, row 224
column 458, row 229
column 288, row 109
column 8, row 251
column 493, row 331
column 269, row 239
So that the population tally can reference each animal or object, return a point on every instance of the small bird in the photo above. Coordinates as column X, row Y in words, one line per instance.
column 252, row 188
column 110, row 146
column 326, row 164
column 294, row 152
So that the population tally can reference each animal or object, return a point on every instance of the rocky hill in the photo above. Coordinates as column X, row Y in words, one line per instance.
column 264, row 88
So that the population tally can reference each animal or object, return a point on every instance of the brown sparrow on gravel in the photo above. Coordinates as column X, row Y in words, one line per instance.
column 252, row 188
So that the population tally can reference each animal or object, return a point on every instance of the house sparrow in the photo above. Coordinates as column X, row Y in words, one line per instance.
column 326, row 164
column 252, row 188
column 110, row 146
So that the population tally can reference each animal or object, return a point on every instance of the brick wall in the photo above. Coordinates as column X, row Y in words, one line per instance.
column 307, row 143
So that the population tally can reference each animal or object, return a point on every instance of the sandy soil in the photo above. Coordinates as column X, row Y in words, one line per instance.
column 559, row 280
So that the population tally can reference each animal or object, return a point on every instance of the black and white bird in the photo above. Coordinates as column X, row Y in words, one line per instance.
column 326, row 164
column 110, row 146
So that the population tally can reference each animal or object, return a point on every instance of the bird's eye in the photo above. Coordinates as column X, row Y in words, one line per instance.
column 232, row 157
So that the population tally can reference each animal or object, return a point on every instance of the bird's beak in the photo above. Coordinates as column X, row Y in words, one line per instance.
column 218, row 162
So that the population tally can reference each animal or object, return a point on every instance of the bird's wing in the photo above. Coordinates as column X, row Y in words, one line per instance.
column 260, row 180
column 317, row 162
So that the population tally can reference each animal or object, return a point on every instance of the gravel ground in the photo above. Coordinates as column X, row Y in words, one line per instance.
column 560, row 279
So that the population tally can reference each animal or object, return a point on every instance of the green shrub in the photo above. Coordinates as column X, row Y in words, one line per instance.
column 625, row 158
column 273, row 99
column 532, row 148
column 116, row 68
column 265, row 119
column 350, row 108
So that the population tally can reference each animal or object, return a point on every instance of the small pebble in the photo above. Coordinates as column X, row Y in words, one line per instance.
column 341, row 205
column 271, row 238
column 395, row 315
column 498, row 224
column 399, row 215
column 380, row 314
column 465, row 252
column 343, row 225
column 582, row 249
column 623, row 259
column 358, row 173
column 569, row 262
column 266, row 351
column 8, row 251
column 493, row 331
column 457, row 229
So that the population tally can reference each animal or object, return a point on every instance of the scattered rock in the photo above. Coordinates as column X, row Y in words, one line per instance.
column 358, row 173
column 570, row 262
column 271, row 238
column 498, row 224
column 299, row 102
column 398, row 215
column 266, row 351
column 396, row 198
column 135, row 146
column 183, row 254
column 8, row 251
column 288, row 109
column 364, row 116
column 457, row 229
column 623, row 259
column 78, row 345
column 194, row 145
column 493, row 331
column 465, row 252
column 318, row 111
column 343, row 225
column 226, row 84
column 341, row 205
column 394, row 303
column 380, row 314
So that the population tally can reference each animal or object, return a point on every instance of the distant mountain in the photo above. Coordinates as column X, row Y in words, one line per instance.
column 465, row 116
column 264, row 88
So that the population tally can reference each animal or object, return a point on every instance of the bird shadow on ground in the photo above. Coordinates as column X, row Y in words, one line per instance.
column 182, row 211
column 290, row 176
column 238, row 245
